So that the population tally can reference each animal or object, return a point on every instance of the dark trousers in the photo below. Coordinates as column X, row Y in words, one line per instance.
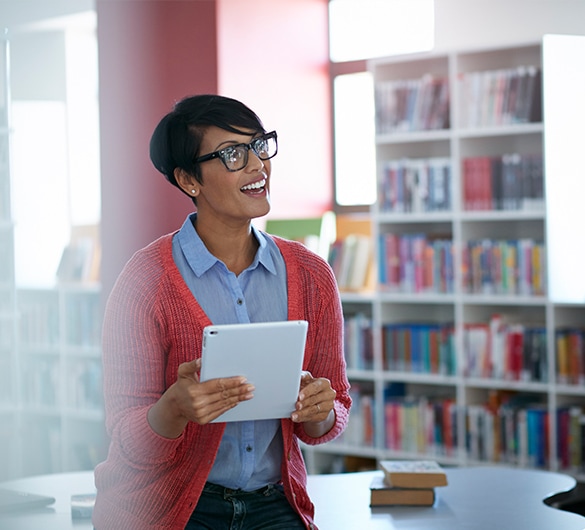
column 221, row 508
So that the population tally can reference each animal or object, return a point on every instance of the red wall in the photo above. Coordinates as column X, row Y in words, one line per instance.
column 151, row 53
column 271, row 54
column 274, row 55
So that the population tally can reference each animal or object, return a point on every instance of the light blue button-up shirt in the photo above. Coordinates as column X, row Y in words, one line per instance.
column 250, row 452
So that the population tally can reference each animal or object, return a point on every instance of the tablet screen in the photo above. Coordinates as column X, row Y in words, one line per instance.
column 268, row 354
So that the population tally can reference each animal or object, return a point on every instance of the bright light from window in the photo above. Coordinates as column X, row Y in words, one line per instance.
column 564, row 112
column 355, row 145
column 40, row 207
column 358, row 30
column 83, row 124
column 65, row 136
column 362, row 29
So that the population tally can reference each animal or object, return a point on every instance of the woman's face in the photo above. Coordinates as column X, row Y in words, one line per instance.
column 231, row 195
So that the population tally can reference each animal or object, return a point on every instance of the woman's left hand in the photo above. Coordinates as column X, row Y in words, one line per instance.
column 315, row 401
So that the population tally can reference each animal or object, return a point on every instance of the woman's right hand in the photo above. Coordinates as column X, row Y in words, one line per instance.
column 188, row 399
column 203, row 402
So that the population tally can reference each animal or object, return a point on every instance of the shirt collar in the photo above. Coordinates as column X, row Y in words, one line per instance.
column 201, row 260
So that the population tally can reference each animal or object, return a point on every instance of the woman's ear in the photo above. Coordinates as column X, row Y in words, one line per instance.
column 186, row 182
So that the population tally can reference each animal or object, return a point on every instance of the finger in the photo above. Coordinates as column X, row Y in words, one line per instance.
column 219, row 384
column 230, row 390
column 306, row 378
column 197, row 363
column 189, row 369
column 324, row 397
column 315, row 413
column 216, row 396
column 227, row 399
column 313, row 387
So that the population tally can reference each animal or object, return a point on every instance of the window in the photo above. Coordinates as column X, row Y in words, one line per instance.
column 54, row 117
column 378, row 28
column 355, row 153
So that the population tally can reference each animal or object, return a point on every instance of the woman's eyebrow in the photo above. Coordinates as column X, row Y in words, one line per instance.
column 227, row 143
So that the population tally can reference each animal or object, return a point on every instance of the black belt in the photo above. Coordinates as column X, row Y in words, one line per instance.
column 215, row 488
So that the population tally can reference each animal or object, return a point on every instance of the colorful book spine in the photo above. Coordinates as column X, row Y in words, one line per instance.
column 570, row 356
column 358, row 342
column 416, row 185
column 504, row 267
column 508, row 351
column 570, row 448
column 506, row 182
column 515, row 431
column 419, row 347
column 408, row 105
column 501, row 97
column 415, row 263
column 421, row 425
column 351, row 261
column 361, row 428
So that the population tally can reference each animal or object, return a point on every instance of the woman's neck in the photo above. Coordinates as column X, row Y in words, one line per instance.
column 236, row 248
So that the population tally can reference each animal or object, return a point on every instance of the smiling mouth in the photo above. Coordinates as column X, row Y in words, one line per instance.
column 254, row 186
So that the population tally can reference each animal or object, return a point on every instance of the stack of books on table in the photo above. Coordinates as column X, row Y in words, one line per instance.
column 407, row 483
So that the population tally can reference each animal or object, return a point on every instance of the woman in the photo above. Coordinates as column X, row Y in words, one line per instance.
column 168, row 466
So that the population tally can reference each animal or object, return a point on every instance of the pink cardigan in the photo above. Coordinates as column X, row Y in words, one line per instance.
column 152, row 324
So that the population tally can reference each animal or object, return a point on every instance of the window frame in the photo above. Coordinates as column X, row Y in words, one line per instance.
column 337, row 69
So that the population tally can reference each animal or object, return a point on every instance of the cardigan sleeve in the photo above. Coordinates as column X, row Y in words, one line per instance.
column 134, row 356
column 326, row 359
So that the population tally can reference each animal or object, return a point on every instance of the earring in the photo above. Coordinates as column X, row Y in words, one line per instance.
column 192, row 191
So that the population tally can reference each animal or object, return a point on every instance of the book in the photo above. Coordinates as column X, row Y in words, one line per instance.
column 413, row 473
column 350, row 258
column 82, row 505
column 361, row 263
column 81, row 257
column 383, row 495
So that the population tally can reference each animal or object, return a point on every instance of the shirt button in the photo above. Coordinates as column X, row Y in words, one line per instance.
column 248, row 448
column 239, row 301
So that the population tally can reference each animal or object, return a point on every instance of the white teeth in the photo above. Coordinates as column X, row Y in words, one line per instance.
column 255, row 185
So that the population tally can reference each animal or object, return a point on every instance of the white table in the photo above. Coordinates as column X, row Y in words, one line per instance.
column 483, row 498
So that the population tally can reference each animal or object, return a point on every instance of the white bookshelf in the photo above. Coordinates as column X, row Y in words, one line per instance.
column 467, row 392
column 59, row 359
column 51, row 413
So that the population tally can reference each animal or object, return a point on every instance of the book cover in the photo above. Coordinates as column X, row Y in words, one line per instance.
column 81, row 257
column 82, row 505
column 383, row 495
column 413, row 473
column 361, row 263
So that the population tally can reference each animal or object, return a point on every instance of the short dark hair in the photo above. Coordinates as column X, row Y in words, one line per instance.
column 176, row 140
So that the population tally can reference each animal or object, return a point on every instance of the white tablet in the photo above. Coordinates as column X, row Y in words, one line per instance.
column 268, row 354
column 12, row 501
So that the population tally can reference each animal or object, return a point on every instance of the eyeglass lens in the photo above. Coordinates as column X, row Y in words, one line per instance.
column 236, row 157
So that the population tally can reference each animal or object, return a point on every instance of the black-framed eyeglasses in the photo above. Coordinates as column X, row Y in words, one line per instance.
column 235, row 157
